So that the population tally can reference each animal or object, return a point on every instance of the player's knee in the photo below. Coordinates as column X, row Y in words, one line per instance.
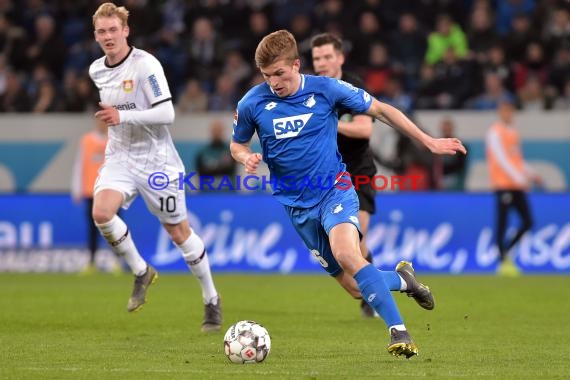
column 179, row 233
column 178, row 236
column 102, row 215
column 349, row 260
column 343, row 258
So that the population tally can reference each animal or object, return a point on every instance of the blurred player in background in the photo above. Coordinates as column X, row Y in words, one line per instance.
column 90, row 157
column 510, row 178
column 136, row 105
column 354, row 131
column 295, row 118
column 214, row 160
column 454, row 168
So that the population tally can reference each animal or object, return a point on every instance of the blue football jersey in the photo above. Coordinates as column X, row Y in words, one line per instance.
column 298, row 134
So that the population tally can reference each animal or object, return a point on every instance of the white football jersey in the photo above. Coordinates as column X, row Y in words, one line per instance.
column 136, row 83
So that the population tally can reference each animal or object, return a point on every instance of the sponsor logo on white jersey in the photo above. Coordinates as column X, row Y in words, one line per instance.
column 125, row 107
column 154, row 85
column 287, row 127
column 270, row 106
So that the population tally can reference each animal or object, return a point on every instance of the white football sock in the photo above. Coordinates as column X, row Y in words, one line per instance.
column 397, row 327
column 119, row 238
column 197, row 260
column 403, row 284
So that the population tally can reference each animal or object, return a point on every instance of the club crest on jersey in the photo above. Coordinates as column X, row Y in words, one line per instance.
column 287, row 127
column 128, row 85
column 310, row 102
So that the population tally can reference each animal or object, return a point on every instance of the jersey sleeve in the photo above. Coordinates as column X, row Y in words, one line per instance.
column 345, row 95
column 153, row 82
column 243, row 126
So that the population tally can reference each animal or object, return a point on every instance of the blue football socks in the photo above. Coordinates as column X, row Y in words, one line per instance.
column 391, row 279
column 374, row 290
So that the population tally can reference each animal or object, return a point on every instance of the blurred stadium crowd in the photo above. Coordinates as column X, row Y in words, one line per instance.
column 415, row 54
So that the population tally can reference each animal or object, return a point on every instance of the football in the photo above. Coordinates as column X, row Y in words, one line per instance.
column 247, row 342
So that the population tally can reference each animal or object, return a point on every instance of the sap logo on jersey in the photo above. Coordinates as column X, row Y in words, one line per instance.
column 287, row 127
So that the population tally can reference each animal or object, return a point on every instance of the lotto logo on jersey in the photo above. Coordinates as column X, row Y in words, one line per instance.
column 128, row 85
column 287, row 127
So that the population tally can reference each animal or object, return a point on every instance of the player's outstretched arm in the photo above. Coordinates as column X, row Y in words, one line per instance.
column 242, row 153
column 396, row 119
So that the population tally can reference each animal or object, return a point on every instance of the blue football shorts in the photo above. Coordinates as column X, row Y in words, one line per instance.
column 315, row 223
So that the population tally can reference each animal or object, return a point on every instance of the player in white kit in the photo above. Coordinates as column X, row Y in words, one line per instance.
column 136, row 104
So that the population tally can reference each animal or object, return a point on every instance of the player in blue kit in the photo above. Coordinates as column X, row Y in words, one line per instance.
column 295, row 117
column 353, row 138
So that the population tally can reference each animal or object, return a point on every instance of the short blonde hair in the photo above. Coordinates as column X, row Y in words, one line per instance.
column 275, row 46
column 110, row 10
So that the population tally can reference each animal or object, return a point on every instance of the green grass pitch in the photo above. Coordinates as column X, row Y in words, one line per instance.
column 55, row 326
